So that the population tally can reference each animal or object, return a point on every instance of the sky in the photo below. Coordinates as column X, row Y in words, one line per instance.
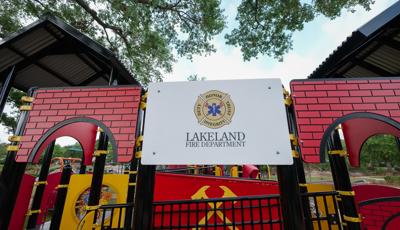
column 311, row 46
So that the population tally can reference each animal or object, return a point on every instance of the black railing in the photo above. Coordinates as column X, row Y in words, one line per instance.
column 323, row 213
column 252, row 212
column 108, row 216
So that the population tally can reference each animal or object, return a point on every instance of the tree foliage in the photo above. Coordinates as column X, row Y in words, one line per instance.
column 148, row 34
column 10, row 120
column 143, row 33
column 266, row 26
column 379, row 151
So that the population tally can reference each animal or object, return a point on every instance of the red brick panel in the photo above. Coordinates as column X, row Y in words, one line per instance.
column 318, row 103
column 376, row 214
column 115, row 107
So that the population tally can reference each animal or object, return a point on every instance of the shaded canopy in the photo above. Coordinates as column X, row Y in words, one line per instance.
column 371, row 51
column 51, row 53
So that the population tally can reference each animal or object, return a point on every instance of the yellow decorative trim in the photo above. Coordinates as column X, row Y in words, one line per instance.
column 14, row 138
column 352, row 219
column 341, row 153
column 288, row 101
column 130, row 172
column 144, row 97
column 100, row 129
column 346, row 193
column 40, row 182
column 132, row 184
column 100, row 152
column 138, row 154
column 142, row 105
column 285, row 92
column 338, row 198
column 139, row 140
column 303, row 185
column 27, row 99
column 91, row 208
column 295, row 154
column 61, row 186
column 293, row 139
column 25, row 108
column 12, row 148
column 30, row 212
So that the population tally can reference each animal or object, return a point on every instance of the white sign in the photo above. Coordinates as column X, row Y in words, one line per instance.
column 216, row 122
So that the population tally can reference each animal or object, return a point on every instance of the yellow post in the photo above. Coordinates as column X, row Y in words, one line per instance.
column 234, row 171
column 218, row 171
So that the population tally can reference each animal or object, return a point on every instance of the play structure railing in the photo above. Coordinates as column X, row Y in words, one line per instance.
column 250, row 212
column 323, row 210
column 110, row 216
column 221, row 213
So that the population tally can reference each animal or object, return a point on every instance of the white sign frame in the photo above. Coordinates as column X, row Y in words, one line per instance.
column 257, row 130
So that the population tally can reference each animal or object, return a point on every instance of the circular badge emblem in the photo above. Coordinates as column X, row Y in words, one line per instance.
column 214, row 109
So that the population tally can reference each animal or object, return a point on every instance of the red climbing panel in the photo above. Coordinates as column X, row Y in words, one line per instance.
column 114, row 107
column 318, row 103
column 358, row 130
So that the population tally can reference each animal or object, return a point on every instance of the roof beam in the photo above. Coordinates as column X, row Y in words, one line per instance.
column 34, row 61
column 92, row 78
column 354, row 60
column 36, row 56
column 373, row 68
column 77, row 48
column 392, row 43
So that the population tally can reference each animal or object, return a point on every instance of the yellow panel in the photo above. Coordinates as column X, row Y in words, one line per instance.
column 81, row 183
column 321, row 204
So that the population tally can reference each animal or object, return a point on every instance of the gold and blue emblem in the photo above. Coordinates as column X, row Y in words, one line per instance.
column 214, row 109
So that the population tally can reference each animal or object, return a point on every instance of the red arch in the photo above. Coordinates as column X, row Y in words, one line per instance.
column 83, row 132
column 358, row 130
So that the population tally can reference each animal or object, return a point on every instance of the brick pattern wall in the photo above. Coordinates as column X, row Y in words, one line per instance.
column 115, row 107
column 375, row 215
column 318, row 103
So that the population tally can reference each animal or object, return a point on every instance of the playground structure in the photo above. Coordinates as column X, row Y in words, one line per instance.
column 96, row 106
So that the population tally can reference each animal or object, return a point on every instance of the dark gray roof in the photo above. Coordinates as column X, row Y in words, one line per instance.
column 371, row 51
column 51, row 53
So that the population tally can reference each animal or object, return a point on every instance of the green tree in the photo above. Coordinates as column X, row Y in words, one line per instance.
column 10, row 120
column 266, row 26
column 148, row 34
column 380, row 150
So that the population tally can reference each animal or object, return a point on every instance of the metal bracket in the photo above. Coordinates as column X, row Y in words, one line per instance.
column 14, row 138
column 27, row 99
column 341, row 153
column 25, row 108
column 139, row 141
column 100, row 152
column 295, row 154
column 293, row 139
column 285, row 92
column 353, row 219
column 30, row 212
column 11, row 148
column 346, row 193
column 40, row 183
column 91, row 208
column 288, row 101
column 61, row 186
